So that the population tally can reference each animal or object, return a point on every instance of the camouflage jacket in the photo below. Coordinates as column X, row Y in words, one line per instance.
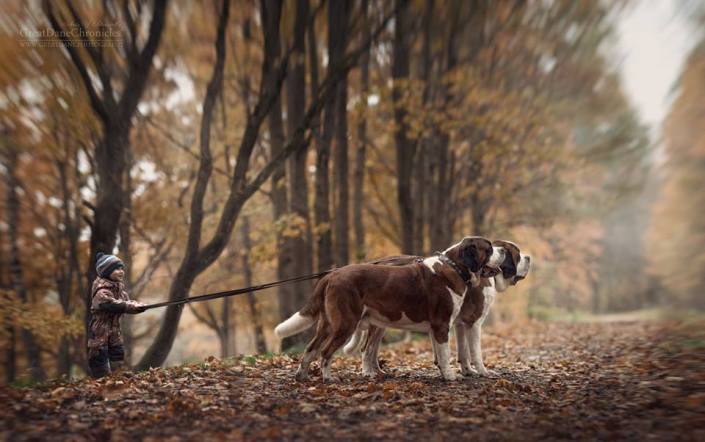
column 109, row 302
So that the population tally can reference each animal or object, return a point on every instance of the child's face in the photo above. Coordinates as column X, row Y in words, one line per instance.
column 118, row 274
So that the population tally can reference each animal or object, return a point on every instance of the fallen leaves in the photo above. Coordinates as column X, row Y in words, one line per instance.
column 553, row 381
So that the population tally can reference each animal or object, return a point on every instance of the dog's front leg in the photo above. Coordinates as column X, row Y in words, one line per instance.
column 476, row 349
column 442, row 347
column 461, row 335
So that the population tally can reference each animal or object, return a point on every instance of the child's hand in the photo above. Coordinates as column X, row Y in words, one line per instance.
column 136, row 307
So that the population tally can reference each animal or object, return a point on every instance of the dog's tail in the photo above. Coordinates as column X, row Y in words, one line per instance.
column 306, row 317
column 294, row 325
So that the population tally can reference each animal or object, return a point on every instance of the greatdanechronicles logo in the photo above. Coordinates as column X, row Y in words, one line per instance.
column 91, row 35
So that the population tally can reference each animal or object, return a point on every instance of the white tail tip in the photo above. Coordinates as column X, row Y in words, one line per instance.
column 295, row 324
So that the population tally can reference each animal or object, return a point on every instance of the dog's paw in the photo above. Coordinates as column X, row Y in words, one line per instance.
column 482, row 371
column 468, row 371
column 450, row 376
column 369, row 374
column 301, row 376
column 331, row 379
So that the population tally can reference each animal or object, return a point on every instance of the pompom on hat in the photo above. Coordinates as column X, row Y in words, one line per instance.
column 106, row 264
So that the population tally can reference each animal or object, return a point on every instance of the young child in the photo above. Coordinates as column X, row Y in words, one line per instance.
column 109, row 302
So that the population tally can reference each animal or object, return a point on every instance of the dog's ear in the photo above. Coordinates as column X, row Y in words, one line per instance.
column 508, row 266
column 467, row 255
column 473, row 256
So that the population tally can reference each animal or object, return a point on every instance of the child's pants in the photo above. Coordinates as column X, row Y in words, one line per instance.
column 102, row 359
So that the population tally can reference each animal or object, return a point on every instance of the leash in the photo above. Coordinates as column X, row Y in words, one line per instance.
column 226, row 293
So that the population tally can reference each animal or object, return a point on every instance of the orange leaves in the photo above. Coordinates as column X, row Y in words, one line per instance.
column 575, row 380
column 44, row 321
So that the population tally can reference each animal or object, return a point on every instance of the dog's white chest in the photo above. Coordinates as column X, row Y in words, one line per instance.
column 457, row 304
column 490, row 293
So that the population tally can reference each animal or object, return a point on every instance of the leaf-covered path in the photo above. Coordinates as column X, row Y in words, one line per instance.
column 553, row 381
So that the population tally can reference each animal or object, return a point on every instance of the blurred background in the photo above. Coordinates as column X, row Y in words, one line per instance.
column 216, row 145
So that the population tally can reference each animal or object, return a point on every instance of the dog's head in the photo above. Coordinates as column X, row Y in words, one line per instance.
column 513, row 268
column 475, row 253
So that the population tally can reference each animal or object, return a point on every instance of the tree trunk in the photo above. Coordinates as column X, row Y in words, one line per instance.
column 340, row 170
column 298, row 185
column 126, row 256
column 299, row 247
column 260, row 343
column 11, row 350
column 227, row 338
column 285, row 293
column 10, row 355
column 288, row 305
column 74, row 235
column 336, row 11
column 442, row 231
column 420, row 177
column 360, row 153
column 65, row 277
column 16, row 271
column 404, row 147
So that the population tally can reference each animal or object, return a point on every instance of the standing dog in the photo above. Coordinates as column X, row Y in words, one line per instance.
column 468, row 325
column 420, row 296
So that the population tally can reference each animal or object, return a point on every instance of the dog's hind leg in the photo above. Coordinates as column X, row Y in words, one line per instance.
column 329, row 348
column 313, row 349
column 333, row 343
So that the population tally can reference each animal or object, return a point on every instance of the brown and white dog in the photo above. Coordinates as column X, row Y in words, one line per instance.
column 468, row 325
column 415, row 296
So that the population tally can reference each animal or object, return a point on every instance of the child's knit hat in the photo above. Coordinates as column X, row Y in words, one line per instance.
column 106, row 264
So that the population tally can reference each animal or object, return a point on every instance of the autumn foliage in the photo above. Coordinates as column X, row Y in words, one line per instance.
column 217, row 147
column 554, row 381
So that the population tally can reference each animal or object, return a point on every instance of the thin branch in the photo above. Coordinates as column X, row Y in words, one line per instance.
column 205, row 166
column 96, row 103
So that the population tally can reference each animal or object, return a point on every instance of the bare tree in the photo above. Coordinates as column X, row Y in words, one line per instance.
column 113, row 108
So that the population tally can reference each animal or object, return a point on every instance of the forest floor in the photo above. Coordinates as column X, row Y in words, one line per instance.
column 615, row 380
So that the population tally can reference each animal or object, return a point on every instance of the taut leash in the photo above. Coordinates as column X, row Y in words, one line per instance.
column 254, row 288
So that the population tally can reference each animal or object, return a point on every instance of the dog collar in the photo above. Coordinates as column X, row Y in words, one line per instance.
column 464, row 274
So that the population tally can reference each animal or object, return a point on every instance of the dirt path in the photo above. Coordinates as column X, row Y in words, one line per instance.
column 554, row 381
